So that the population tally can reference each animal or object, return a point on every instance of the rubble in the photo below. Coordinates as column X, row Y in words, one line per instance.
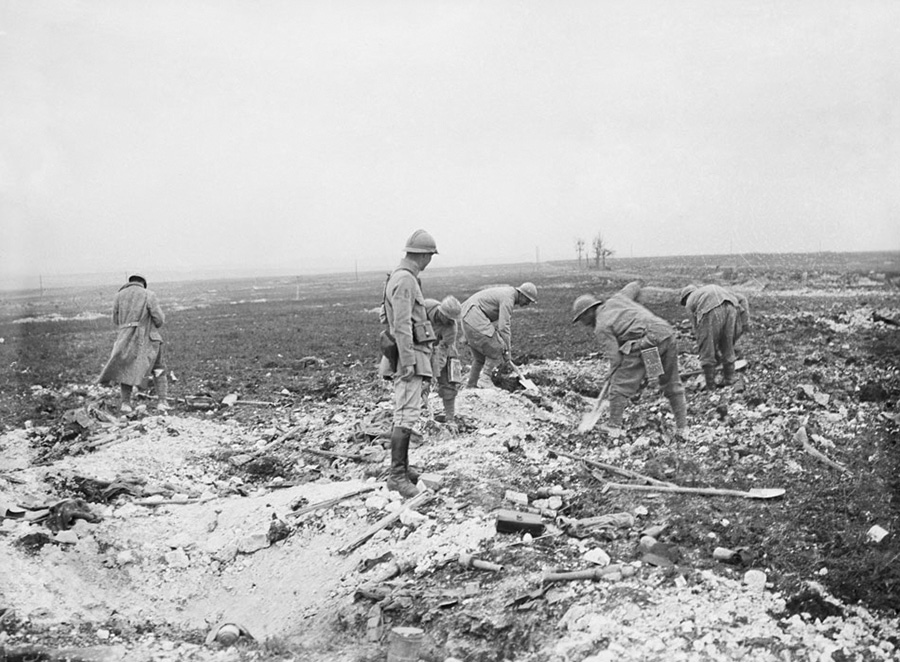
column 210, row 521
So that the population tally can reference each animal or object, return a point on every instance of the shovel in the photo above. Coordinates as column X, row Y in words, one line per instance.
column 523, row 380
column 590, row 418
column 755, row 493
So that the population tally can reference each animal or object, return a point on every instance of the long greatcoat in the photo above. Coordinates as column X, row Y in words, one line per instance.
column 137, row 315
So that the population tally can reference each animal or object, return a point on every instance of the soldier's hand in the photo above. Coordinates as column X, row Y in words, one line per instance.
column 408, row 372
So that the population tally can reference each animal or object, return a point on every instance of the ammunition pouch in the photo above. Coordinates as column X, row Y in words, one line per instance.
column 423, row 333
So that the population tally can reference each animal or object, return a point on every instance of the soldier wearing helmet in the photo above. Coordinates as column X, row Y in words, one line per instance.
column 445, row 356
column 718, row 317
column 486, row 317
column 637, row 343
column 413, row 336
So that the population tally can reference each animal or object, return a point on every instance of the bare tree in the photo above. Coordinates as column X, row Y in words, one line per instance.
column 601, row 252
column 579, row 248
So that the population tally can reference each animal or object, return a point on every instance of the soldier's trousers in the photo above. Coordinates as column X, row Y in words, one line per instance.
column 716, row 335
column 628, row 376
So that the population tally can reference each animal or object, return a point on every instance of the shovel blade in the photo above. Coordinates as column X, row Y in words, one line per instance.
column 589, row 420
column 766, row 493
column 527, row 383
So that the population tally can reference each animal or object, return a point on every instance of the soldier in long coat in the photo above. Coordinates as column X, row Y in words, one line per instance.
column 486, row 317
column 718, row 317
column 625, row 329
column 137, row 351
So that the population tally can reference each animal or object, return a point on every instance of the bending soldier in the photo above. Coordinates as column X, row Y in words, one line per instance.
column 445, row 357
column 718, row 317
column 636, row 342
column 486, row 319
column 412, row 336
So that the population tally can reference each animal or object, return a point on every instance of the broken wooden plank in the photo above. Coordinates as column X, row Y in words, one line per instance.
column 755, row 493
column 608, row 467
column 333, row 454
column 328, row 503
column 417, row 501
column 801, row 437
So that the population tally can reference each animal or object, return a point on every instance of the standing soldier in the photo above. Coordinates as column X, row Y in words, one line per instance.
column 718, row 317
column 138, row 346
column 486, row 320
column 412, row 336
column 636, row 342
column 445, row 357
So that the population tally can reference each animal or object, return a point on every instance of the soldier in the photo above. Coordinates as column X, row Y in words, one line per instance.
column 486, row 320
column 718, row 317
column 413, row 336
column 636, row 342
column 138, row 347
column 445, row 357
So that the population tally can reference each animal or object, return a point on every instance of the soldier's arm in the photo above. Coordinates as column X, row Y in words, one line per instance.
column 632, row 290
column 156, row 313
column 610, row 346
column 504, row 320
column 402, row 299
column 449, row 340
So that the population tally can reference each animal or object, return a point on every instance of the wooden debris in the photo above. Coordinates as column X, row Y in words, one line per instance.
column 608, row 467
column 801, row 437
column 417, row 501
column 328, row 503
column 341, row 456
column 756, row 493
column 611, row 572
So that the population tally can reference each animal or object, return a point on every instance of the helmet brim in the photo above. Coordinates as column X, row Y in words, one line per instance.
column 581, row 314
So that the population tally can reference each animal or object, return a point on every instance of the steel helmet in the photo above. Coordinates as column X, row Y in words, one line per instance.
column 583, row 304
column 686, row 292
column 421, row 242
column 137, row 278
column 450, row 308
column 529, row 291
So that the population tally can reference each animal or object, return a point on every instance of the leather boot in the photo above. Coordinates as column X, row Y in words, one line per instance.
column 162, row 390
column 398, row 480
column 679, row 408
column 449, row 409
column 486, row 380
column 616, row 409
column 474, row 373
column 709, row 373
column 728, row 374
column 125, row 394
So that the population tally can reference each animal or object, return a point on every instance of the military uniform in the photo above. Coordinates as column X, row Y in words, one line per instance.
column 404, row 308
column 444, row 352
column 718, row 317
column 408, row 341
column 624, row 328
column 486, row 318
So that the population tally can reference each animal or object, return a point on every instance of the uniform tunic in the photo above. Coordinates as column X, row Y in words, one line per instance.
column 404, row 307
column 138, row 346
column 486, row 319
column 624, row 327
column 444, row 349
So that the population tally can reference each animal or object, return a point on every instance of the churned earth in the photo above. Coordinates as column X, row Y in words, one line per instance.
column 138, row 538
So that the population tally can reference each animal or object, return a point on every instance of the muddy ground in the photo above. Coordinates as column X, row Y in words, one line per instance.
column 137, row 538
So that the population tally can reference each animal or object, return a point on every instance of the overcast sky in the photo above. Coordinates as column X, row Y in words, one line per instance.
column 185, row 134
